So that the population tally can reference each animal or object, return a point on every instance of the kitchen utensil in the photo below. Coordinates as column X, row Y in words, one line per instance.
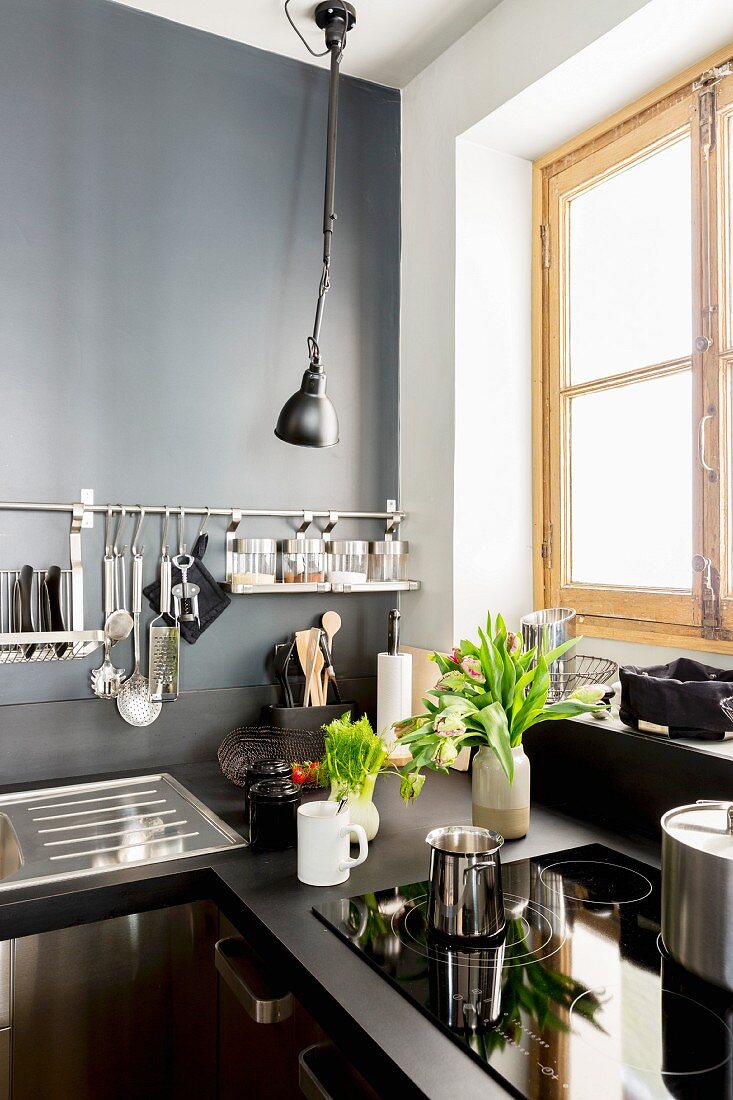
column 44, row 606
column 108, row 567
column 394, row 686
column 25, row 604
column 164, row 642
column 697, row 889
column 323, row 844
column 106, row 679
column 330, row 674
column 118, row 553
column 545, row 630
column 185, row 594
column 302, row 646
column 317, row 698
column 273, row 806
column 393, row 632
column 331, row 623
column 51, row 597
column 465, row 899
column 283, row 656
column 133, row 700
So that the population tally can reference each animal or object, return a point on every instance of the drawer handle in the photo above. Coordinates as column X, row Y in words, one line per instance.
column 263, row 1010
column 309, row 1084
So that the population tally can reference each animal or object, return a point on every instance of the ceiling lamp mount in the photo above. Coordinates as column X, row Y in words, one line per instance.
column 308, row 418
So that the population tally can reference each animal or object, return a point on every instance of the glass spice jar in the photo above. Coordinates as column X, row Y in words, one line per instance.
column 303, row 561
column 254, row 561
column 346, row 561
column 389, row 560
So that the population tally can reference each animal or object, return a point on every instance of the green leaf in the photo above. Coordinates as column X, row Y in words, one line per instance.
column 493, row 720
column 491, row 664
column 559, row 650
column 443, row 663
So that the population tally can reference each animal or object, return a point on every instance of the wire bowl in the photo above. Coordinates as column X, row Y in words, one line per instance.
column 587, row 670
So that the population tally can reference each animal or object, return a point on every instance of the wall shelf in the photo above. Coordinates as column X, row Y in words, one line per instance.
column 281, row 588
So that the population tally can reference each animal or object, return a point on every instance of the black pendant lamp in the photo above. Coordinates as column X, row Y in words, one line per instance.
column 308, row 418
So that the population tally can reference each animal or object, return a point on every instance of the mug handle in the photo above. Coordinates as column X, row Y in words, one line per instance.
column 363, row 846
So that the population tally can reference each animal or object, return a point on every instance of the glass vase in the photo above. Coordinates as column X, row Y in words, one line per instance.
column 498, row 804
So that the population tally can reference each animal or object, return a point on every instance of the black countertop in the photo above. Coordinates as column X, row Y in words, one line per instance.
column 385, row 1036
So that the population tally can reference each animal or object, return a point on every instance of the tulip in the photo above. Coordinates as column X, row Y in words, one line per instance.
column 452, row 681
column 589, row 693
column 411, row 785
column 448, row 725
column 513, row 643
column 445, row 754
column 472, row 667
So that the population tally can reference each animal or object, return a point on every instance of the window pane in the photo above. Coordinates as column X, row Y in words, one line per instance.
column 630, row 267
column 631, row 476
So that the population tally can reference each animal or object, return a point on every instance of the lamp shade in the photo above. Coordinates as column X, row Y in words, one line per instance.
column 308, row 418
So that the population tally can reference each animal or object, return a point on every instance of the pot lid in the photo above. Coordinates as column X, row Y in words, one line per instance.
column 706, row 826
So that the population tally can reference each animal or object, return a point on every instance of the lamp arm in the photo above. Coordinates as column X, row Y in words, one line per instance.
column 329, row 214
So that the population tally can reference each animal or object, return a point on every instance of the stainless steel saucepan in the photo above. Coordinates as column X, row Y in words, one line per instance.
column 697, row 889
column 466, row 899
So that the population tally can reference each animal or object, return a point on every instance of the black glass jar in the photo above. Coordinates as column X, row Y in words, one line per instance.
column 273, row 815
column 267, row 768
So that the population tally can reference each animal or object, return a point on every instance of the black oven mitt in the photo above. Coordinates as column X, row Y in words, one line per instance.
column 212, row 598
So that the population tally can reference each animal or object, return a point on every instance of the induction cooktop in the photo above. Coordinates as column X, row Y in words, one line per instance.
column 577, row 1000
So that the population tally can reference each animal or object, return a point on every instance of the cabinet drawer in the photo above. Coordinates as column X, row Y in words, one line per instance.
column 6, row 950
column 5, row 1064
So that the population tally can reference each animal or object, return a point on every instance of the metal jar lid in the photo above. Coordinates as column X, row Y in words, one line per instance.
column 705, row 826
column 274, row 790
column 303, row 546
column 255, row 546
column 389, row 549
column 348, row 546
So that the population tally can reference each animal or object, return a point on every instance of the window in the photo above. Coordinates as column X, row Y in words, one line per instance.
column 633, row 353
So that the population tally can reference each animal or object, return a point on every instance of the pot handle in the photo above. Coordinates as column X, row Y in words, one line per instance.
column 723, row 805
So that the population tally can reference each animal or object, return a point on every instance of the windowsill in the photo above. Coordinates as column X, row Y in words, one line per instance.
column 613, row 723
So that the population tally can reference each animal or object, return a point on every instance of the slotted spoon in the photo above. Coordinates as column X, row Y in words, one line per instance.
column 133, row 700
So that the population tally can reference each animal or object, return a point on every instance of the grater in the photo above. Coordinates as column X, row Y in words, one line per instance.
column 163, row 654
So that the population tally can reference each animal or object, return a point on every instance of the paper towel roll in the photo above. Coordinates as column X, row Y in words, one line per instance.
column 394, row 692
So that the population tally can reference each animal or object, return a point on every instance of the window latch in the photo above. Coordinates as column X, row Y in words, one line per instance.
column 710, row 596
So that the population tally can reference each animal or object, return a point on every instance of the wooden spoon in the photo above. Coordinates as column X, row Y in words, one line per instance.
column 331, row 623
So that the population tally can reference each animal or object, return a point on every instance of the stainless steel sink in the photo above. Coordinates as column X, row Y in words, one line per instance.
column 86, row 828
column 10, row 859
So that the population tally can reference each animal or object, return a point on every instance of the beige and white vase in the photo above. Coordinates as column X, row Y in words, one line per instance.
column 497, row 803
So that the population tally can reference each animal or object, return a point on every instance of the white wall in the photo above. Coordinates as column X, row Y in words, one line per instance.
column 472, row 124
column 509, row 50
column 492, row 536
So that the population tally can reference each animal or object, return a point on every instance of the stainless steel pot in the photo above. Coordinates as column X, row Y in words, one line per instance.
column 697, row 889
column 466, row 898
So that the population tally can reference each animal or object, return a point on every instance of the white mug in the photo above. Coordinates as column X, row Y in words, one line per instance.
column 323, row 844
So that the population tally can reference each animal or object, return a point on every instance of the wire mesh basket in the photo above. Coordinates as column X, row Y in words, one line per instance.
column 586, row 670
column 726, row 705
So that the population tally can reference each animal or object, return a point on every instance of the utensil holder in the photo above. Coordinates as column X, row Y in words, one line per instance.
column 306, row 718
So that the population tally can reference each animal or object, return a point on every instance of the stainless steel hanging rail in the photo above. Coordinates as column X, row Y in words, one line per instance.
column 160, row 510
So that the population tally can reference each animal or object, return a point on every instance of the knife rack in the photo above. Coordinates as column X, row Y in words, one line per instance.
column 30, row 647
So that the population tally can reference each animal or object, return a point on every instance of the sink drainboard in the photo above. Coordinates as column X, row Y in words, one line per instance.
column 84, row 828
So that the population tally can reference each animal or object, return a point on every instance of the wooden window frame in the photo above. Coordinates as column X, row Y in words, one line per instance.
column 657, row 616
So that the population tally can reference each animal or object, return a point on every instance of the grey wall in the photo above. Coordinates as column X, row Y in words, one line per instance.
column 159, row 260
